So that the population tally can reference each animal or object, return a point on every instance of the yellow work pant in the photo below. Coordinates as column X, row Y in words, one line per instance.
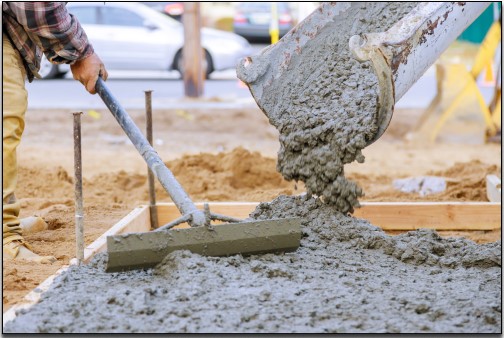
column 15, row 102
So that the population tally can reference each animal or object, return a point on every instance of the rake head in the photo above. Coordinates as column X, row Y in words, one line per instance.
column 145, row 250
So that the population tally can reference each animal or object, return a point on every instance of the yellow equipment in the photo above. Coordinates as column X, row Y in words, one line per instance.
column 483, row 59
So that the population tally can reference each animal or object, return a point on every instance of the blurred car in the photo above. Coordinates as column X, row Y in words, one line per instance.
column 132, row 36
column 172, row 9
column 252, row 19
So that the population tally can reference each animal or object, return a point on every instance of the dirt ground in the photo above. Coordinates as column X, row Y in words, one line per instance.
column 218, row 155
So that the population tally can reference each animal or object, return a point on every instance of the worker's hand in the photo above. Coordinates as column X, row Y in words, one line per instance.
column 87, row 70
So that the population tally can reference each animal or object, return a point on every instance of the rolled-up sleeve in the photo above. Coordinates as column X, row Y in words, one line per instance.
column 57, row 32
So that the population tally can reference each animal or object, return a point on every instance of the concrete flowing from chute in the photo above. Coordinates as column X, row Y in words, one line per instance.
column 325, row 104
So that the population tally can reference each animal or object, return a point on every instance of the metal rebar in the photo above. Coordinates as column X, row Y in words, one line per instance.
column 150, row 175
column 180, row 220
column 224, row 218
column 79, row 208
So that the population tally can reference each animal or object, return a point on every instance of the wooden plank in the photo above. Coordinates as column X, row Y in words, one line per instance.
column 387, row 215
column 434, row 215
column 137, row 220
column 494, row 188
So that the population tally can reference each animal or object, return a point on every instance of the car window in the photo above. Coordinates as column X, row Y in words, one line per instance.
column 282, row 6
column 121, row 17
column 85, row 15
column 159, row 17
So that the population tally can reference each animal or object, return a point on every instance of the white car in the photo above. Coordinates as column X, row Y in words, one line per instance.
column 132, row 36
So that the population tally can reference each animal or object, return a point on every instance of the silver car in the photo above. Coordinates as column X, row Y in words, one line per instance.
column 132, row 36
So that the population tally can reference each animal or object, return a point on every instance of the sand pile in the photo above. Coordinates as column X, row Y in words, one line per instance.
column 347, row 276
column 465, row 182
column 238, row 175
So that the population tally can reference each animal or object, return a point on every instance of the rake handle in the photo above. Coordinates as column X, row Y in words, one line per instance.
column 154, row 162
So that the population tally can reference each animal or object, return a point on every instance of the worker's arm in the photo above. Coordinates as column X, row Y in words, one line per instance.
column 61, row 38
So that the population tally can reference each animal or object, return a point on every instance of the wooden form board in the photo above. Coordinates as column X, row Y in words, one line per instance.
column 31, row 298
column 136, row 221
column 387, row 215
column 434, row 215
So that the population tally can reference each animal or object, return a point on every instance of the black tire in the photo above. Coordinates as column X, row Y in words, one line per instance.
column 177, row 64
column 49, row 70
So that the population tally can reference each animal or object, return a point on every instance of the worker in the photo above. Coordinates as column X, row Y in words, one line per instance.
column 28, row 29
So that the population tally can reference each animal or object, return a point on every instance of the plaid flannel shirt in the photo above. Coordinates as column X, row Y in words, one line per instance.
column 36, row 27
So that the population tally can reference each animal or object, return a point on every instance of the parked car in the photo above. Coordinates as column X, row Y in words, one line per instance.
column 132, row 36
column 172, row 9
column 252, row 19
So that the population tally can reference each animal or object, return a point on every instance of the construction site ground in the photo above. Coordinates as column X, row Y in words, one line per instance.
column 218, row 155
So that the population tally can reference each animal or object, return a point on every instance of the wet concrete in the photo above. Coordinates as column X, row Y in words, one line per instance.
column 324, row 105
column 347, row 276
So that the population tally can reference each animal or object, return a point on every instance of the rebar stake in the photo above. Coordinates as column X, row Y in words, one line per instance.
column 150, row 175
column 79, row 208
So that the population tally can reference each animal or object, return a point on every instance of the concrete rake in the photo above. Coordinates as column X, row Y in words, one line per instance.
column 144, row 250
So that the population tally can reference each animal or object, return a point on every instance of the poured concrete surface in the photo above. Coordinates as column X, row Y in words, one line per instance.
column 347, row 276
